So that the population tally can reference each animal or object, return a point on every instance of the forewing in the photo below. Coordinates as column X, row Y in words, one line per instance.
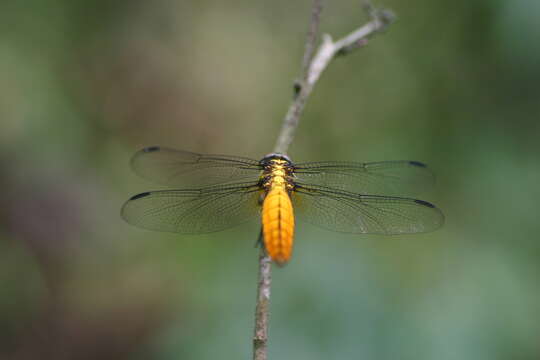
column 182, row 168
column 342, row 211
column 403, row 178
column 193, row 211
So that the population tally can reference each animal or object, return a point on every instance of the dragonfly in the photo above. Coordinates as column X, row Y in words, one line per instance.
column 217, row 192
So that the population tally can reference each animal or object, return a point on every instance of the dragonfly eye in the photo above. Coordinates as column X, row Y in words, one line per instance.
column 275, row 156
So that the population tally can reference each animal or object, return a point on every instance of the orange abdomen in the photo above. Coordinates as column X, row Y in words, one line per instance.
column 278, row 225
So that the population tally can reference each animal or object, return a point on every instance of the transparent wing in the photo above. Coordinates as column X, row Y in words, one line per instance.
column 343, row 211
column 174, row 167
column 404, row 178
column 193, row 211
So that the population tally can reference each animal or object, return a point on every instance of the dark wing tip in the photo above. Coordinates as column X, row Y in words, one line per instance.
column 138, row 196
column 151, row 149
column 417, row 163
column 421, row 202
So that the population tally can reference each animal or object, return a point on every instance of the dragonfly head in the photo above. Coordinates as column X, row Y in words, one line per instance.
column 267, row 159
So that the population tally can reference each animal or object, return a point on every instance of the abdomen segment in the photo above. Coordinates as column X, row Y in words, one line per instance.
column 278, row 225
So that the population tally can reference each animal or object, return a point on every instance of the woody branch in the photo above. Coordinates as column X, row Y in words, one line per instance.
column 313, row 65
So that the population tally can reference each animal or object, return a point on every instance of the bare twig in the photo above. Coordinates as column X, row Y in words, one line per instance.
column 329, row 49
column 312, row 68
column 260, row 340
column 311, row 40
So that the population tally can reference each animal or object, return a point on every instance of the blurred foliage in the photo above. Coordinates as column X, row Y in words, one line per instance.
column 85, row 84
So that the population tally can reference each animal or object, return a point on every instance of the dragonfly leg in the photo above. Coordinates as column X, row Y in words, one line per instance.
column 259, row 241
column 261, row 199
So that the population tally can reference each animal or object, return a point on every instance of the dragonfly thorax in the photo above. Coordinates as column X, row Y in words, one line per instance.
column 278, row 172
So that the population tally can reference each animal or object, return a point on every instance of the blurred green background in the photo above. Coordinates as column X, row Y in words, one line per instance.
column 84, row 84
